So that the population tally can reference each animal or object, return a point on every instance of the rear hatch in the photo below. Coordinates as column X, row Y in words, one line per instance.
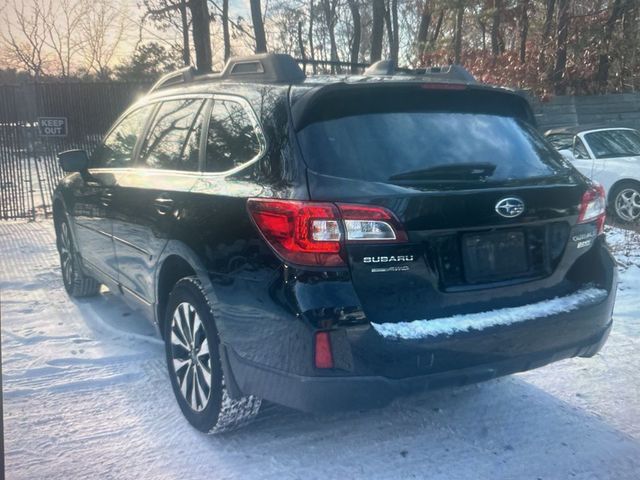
column 484, row 206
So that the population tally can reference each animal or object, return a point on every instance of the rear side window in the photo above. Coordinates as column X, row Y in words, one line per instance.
column 117, row 148
column 232, row 138
column 428, row 146
column 174, row 136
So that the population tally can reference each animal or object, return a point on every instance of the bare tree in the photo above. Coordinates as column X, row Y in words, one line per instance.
column 184, row 24
column 546, row 33
column 561, row 47
column 354, row 6
column 26, row 35
column 377, row 30
column 602, row 75
column 329, row 11
column 312, row 52
column 630, row 40
column 524, row 28
column 63, row 32
column 103, row 30
column 423, row 30
column 258, row 26
column 436, row 31
column 457, row 41
column 392, row 29
column 162, row 13
column 225, row 29
column 201, row 34
column 497, row 41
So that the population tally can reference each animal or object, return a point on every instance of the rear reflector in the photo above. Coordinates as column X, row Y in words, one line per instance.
column 314, row 234
column 323, row 355
column 593, row 207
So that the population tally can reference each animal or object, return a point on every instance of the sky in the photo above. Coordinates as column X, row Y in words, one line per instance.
column 134, row 32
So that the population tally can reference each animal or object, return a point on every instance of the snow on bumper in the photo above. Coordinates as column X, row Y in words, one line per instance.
column 418, row 329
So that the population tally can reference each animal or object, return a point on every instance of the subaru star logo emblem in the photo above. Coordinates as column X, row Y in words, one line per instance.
column 510, row 207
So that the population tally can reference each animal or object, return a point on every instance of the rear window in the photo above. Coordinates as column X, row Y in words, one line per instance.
column 423, row 146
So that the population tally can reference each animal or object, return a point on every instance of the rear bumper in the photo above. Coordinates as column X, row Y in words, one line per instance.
column 453, row 360
column 325, row 394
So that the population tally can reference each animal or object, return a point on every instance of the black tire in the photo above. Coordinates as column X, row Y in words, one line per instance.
column 620, row 195
column 76, row 282
column 189, row 330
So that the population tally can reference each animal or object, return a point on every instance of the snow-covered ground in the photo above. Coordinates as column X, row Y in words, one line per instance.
column 86, row 395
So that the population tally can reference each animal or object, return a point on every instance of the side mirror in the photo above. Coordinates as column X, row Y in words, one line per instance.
column 74, row 161
column 567, row 154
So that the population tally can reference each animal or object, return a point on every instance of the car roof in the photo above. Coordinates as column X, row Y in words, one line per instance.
column 585, row 128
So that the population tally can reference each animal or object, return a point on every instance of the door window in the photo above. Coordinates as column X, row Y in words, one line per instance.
column 174, row 136
column 117, row 149
column 232, row 138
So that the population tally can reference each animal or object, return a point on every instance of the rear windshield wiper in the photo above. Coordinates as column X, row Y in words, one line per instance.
column 452, row 171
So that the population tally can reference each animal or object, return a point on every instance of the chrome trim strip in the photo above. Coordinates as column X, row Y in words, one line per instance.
column 135, row 294
column 98, row 269
column 108, row 235
column 129, row 244
column 205, row 175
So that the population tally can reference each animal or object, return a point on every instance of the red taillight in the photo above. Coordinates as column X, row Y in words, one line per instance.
column 303, row 233
column 313, row 234
column 323, row 355
column 593, row 207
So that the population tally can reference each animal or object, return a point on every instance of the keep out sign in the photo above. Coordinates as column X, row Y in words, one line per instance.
column 53, row 126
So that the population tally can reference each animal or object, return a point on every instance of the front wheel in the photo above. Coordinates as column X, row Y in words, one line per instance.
column 193, row 360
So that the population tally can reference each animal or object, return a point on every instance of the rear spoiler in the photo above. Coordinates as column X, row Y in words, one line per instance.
column 343, row 99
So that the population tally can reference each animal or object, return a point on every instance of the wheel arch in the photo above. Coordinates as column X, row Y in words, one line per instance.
column 173, row 268
column 58, row 212
column 617, row 184
column 177, row 261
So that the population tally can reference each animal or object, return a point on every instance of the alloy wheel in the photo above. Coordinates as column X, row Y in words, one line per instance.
column 627, row 205
column 190, row 356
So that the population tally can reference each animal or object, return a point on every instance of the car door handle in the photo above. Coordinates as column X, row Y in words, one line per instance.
column 163, row 205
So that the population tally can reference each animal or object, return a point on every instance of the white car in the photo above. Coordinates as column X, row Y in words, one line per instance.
column 609, row 156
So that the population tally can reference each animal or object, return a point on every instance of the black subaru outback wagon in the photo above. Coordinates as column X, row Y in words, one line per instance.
column 332, row 242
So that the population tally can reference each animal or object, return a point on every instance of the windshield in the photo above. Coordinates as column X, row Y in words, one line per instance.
column 614, row 143
column 561, row 141
column 427, row 147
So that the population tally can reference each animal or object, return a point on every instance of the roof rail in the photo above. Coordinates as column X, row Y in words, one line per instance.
column 186, row 74
column 262, row 68
column 455, row 73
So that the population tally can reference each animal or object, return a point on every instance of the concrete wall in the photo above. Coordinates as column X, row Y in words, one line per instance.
column 615, row 109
